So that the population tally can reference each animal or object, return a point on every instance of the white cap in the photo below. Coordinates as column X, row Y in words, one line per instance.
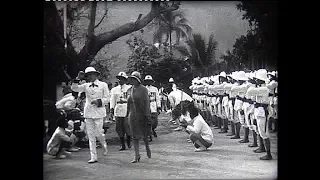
column 223, row 74
column 90, row 69
column 148, row 77
column 241, row 75
column 262, row 74
column 171, row 80
column 122, row 74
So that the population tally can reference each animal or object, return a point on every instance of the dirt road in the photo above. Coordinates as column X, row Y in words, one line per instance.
column 172, row 157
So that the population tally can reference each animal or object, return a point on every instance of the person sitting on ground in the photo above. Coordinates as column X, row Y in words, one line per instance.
column 200, row 133
column 60, row 140
column 175, row 97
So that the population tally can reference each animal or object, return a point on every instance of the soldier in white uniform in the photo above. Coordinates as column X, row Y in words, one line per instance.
column 248, row 107
column 97, row 97
column 155, row 104
column 261, row 92
column 241, row 92
column 231, row 105
column 223, row 101
column 118, row 109
column 273, row 105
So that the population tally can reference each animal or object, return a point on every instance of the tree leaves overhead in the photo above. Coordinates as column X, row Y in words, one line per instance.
column 263, row 18
column 170, row 22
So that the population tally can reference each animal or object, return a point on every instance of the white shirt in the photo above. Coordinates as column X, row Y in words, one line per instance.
column 67, row 102
column 176, row 96
column 202, row 128
column 118, row 100
column 94, row 93
column 155, row 101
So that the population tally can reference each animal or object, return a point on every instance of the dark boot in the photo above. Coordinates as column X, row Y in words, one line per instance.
column 267, row 146
column 246, row 136
column 215, row 122
column 237, row 136
column 225, row 126
column 254, row 144
column 150, row 138
column 218, row 123
column 270, row 124
column 129, row 141
column 154, row 133
column 123, row 146
column 275, row 126
column 233, row 132
column 261, row 146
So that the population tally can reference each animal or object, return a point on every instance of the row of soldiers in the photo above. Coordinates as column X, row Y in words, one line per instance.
column 248, row 100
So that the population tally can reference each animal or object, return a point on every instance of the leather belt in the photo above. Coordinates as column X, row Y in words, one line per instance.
column 121, row 102
column 256, row 105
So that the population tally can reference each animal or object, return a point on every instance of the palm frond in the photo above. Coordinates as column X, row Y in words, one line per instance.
column 183, row 50
column 157, row 37
column 182, row 21
column 211, row 49
column 187, row 28
column 200, row 46
column 177, row 14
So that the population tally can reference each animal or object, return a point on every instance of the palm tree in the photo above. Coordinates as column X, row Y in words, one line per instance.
column 169, row 22
column 200, row 55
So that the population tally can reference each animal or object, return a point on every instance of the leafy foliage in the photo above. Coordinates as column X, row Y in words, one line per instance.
column 147, row 60
column 263, row 18
column 170, row 22
column 201, row 55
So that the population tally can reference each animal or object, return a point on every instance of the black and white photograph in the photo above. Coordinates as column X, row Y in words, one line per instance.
column 160, row 90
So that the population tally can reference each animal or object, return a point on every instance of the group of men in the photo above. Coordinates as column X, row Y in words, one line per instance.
column 243, row 99
column 118, row 107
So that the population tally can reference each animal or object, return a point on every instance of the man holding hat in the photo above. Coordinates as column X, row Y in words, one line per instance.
column 97, row 97
column 118, row 108
column 155, row 104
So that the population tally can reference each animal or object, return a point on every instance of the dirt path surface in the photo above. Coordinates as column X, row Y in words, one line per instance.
column 172, row 157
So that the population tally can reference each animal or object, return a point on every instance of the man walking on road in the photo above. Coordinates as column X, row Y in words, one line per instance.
column 118, row 108
column 97, row 96
column 155, row 104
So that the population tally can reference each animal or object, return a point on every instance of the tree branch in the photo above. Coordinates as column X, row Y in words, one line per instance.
column 104, row 15
column 130, row 27
column 92, row 21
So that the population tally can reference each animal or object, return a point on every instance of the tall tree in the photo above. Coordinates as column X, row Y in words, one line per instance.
column 170, row 22
column 263, row 18
column 200, row 54
column 95, row 42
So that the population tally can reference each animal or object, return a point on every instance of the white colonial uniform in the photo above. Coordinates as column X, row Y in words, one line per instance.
column 94, row 115
column 261, row 97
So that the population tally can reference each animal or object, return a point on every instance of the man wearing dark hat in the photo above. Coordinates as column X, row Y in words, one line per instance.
column 97, row 97
column 155, row 104
column 118, row 108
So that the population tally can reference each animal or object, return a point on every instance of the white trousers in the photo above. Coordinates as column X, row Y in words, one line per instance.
column 95, row 129
column 262, row 124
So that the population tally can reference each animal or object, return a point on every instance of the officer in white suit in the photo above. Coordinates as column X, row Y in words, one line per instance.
column 97, row 97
